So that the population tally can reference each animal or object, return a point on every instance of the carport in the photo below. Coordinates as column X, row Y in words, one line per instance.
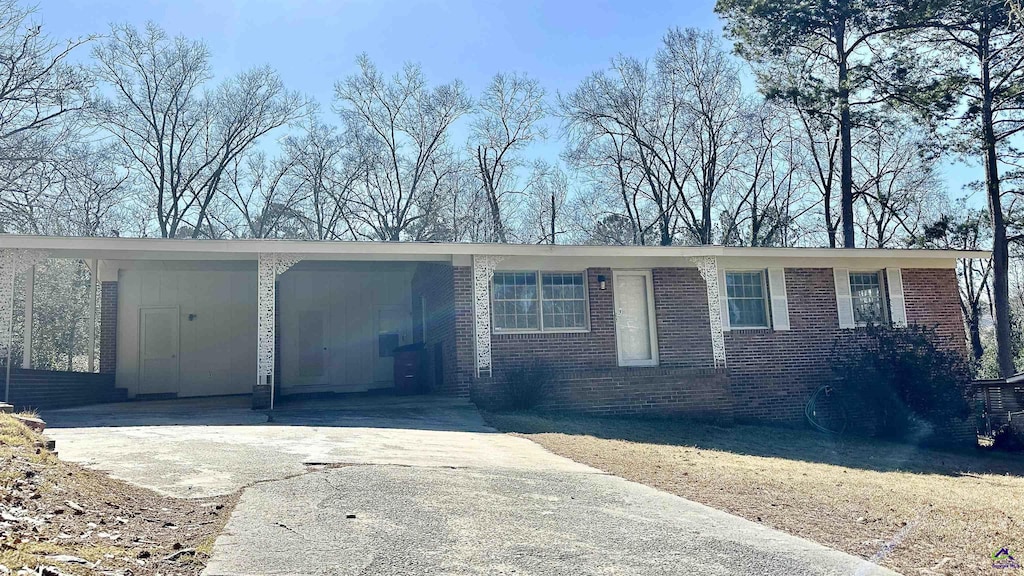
column 193, row 318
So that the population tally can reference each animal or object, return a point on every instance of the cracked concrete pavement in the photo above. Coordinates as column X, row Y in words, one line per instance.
column 388, row 486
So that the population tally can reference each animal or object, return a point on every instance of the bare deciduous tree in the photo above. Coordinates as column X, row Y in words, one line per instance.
column 768, row 196
column 669, row 137
column 507, row 121
column 41, row 96
column 327, row 166
column 616, row 121
column 896, row 184
column 546, row 218
column 181, row 137
column 263, row 203
column 695, row 70
column 404, row 124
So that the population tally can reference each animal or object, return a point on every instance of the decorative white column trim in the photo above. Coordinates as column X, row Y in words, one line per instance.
column 94, row 270
column 708, row 267
column 13, row 261
column 26, row 346
column 271, row 266
column 483, row 273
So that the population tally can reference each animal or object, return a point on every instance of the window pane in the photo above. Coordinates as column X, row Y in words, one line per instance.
column 564, row 301
column 746, row 300
column 515, row 301
column 866, row 291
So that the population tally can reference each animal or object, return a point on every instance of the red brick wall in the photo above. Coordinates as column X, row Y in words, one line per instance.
column 108, row 327
column 681, row 306
column 772, row 374
column 593, row 349
column 435, row 282
column 465, row 350
column 684, row 333
column 933, row 300
column 695, row 393
column 588, row 377
column 49, row 390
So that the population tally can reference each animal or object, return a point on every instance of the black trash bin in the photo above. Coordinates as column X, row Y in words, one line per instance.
column 409, row 364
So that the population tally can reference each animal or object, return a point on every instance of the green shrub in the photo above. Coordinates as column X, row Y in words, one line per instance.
column 897, row 377
column 1009, row 437
column 523, row 386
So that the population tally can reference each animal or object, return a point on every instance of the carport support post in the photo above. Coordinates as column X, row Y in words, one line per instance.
column 12, row 262
column 271, row 265
column 483, row 273
column 712, row 275
column 30, row 283
column 93, row 272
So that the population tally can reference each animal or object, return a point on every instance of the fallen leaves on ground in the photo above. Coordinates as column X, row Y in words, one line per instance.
column 61, row 519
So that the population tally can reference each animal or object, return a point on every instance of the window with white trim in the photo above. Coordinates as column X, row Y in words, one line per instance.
column 558, row 304
column 866, row 294
column 747, row 299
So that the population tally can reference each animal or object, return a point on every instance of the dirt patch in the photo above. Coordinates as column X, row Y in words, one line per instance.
column 80, row 521
column 915, row 511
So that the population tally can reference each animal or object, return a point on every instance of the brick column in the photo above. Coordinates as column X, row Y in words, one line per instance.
column 108, row 327
column 465, row 350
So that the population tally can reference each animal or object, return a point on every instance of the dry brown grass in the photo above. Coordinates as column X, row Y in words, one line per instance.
column 913, row 510
column 121, row 528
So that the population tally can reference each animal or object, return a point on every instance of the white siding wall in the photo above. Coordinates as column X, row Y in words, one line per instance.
column 217, row 348
column 347, row 299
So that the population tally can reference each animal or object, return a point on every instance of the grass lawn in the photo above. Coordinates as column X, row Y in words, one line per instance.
column 915, row 511
column 80, row 521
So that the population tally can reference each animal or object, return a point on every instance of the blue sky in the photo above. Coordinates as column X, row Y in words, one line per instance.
column 313, row 43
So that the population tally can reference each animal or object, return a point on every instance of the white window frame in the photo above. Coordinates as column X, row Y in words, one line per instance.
column 765, row 297
column 883, row 295
column 540, row 304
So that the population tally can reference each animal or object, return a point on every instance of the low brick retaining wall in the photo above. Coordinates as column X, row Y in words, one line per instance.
column 48, row 389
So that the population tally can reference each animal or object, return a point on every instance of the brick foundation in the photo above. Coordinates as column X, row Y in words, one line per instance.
column 48, row 389
column 108, row 327
column 650, row 391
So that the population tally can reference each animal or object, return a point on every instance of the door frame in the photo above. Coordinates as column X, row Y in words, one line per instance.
column 324, row 348
column 652, row 319
column 142, row 338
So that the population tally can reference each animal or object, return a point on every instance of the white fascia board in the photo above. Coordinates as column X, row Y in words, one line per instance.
column 901, row 259
column 175, row 249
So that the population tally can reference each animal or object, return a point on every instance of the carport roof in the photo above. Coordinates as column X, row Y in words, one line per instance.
column 249, row 249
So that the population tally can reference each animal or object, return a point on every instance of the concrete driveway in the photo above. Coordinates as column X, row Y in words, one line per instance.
column 422, row 486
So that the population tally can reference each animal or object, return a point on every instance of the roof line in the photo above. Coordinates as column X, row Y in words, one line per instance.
column 99, row 245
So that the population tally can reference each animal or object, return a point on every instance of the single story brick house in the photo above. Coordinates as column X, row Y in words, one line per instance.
column 712, row 331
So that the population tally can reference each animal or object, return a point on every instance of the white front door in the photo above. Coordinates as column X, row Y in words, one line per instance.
column 635, row 334
column 158, row 350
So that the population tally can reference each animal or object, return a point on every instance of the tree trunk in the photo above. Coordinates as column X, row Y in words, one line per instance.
column 1000, row 248
column 845, row 138
column 705, row 231
column 974, row 330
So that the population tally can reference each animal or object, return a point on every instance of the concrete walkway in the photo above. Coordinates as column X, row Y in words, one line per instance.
column 420, row 486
